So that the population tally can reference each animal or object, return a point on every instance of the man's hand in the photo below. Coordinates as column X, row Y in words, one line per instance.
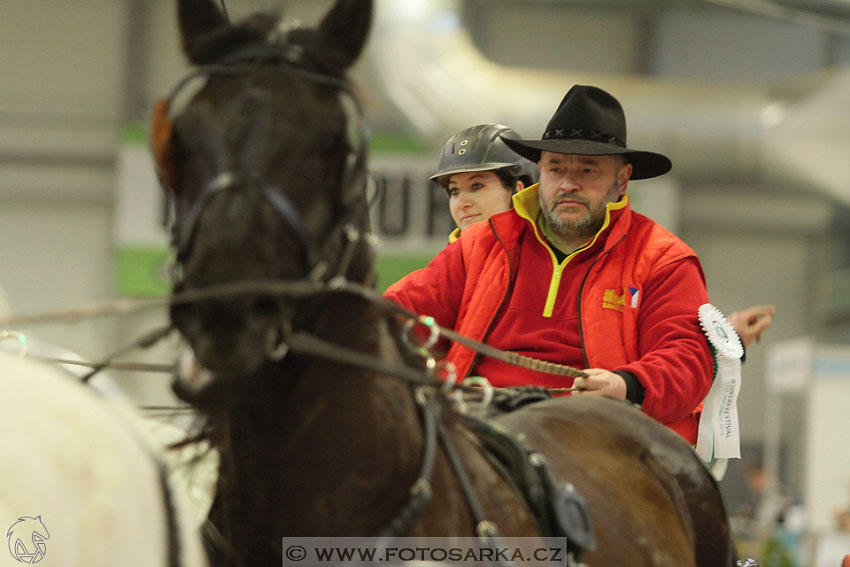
column 601, row 382
column 752, row 322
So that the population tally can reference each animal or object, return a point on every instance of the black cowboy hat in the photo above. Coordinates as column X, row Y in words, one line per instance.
column 590, row 122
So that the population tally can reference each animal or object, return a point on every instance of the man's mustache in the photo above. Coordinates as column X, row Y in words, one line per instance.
column 566, row 196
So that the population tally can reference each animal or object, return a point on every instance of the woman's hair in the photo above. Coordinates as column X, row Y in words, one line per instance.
column 508, row 178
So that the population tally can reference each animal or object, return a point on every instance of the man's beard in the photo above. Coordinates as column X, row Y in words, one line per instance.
column 585, row 226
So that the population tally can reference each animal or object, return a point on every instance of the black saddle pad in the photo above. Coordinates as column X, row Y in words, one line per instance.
column 513, row 398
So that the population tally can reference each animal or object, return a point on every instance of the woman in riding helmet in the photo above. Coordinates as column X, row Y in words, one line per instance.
column 480, row 174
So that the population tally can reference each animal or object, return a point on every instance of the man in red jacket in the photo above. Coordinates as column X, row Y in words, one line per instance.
column 572, row 275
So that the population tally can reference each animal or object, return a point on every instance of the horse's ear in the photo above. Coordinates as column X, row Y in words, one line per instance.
column 197, row 19
column 344, row 31
column 208, row 36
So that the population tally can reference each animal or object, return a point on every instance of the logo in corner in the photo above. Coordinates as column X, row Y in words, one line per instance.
column 27, row 539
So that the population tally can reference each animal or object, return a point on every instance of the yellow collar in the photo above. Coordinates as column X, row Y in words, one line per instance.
column 527, row 206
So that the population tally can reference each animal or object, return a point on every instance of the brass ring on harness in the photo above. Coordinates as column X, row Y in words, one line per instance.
column 485, row 386
column 450, row 374
column 427, row 322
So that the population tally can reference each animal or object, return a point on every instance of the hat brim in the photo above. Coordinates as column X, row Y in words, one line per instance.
column 473, row 168
column 645, row 165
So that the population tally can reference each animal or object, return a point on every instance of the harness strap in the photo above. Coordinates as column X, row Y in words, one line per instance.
column 434, row 428
column 304, row 343
column 484, row 529
column 558, row 508
column 420, row 492
column 228, row 181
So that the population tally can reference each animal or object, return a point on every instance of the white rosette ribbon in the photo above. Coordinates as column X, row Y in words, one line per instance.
column 719, row 436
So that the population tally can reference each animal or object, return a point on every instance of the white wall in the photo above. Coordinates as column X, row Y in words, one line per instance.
column 55, row 256
column 729, row 46
column 827, row 485
column 60, row 106
column 527, row 35
column 62, row 59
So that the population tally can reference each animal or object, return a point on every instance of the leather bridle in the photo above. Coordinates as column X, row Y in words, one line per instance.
column 291, row 59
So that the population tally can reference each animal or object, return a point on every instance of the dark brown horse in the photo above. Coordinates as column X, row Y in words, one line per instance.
column 266, row 168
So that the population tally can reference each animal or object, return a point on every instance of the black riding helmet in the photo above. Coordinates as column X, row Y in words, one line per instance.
column 480, row 148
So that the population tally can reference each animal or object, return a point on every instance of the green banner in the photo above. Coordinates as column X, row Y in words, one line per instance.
column 141, row 271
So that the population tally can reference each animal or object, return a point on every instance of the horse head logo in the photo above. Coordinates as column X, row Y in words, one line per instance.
column 27, row 539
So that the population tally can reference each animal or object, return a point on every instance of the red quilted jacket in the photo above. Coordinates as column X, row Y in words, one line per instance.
column 629, row 319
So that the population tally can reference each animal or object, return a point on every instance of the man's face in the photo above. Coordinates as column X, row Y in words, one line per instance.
column 574, row 190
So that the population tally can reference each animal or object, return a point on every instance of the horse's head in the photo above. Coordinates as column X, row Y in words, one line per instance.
column 265, row 167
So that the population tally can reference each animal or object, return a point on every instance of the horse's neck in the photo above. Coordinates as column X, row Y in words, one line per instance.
column 324, row 439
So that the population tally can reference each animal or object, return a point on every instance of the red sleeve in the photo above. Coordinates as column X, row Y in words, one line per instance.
column 436, row 289
column 676, row 366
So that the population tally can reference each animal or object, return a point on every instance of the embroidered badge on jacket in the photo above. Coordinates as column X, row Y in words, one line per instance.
column 612, row 300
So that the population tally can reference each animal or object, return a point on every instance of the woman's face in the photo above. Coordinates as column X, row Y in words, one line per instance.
column 475, row 196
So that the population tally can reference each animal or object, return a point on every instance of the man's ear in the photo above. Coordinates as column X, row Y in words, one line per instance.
column 519, row 186
column 623, row 176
